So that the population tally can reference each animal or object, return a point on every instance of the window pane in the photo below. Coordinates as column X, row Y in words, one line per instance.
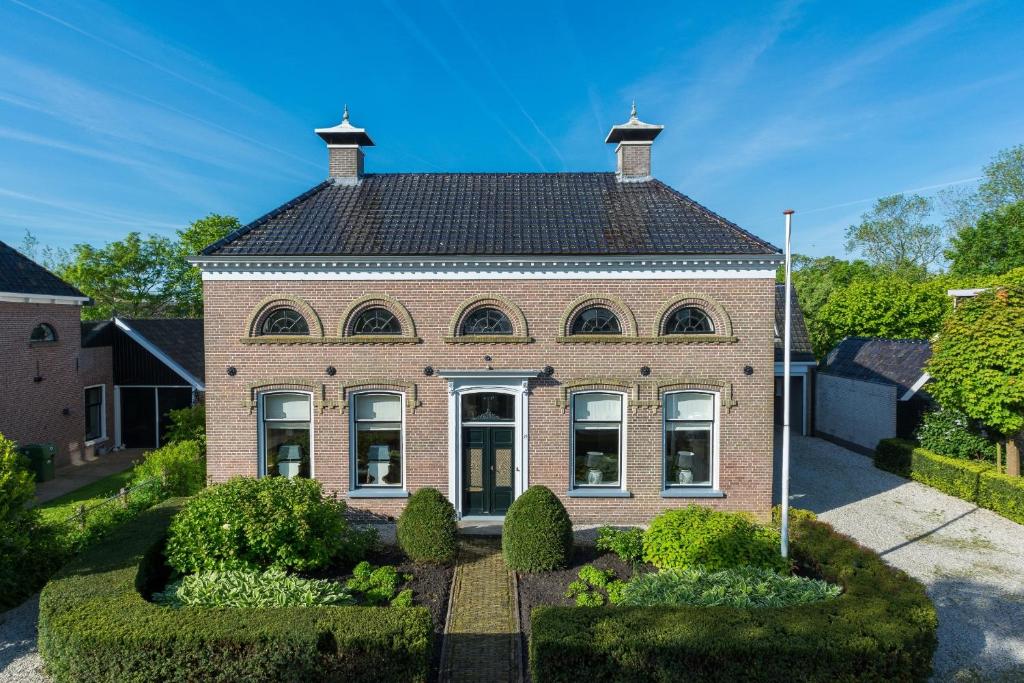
column 487, row 321
column 379, row 407
column 596, row 456
column 599, row 407
column 284, row 321
column 490, row 407
column 689, row 407
column 286, row 407
column 376, row 321
column 379, row 454
column 688, row 455
column 596, row 320
column 287, row 449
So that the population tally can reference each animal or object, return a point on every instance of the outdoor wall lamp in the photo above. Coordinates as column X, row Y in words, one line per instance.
column 232, row 371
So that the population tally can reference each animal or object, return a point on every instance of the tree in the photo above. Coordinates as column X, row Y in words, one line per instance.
column 1002, row 183
column 184, row 280
column 895, row 236
column 992, row 247
column 888, row 307
column 816, row 278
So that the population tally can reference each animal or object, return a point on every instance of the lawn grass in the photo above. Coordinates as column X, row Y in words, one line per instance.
column 59, row 509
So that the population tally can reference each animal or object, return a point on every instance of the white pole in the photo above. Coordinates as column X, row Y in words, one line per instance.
column 785, row 387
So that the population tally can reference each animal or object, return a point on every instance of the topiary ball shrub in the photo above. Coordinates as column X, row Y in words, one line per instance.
column 255, row 524
column 426, row 527
column 697, row 536
column 537, row 535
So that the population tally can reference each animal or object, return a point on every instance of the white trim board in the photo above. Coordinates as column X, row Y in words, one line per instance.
column 921, row 381
column 20, row 298
column 163, row 357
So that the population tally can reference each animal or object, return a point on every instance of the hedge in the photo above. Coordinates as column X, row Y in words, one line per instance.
column 882, row 628
column 975, row 481
column 95, row 625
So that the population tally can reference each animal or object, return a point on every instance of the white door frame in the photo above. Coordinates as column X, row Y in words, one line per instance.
column 513, row 382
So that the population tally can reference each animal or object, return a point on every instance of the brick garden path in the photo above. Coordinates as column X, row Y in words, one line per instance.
column 481, row 636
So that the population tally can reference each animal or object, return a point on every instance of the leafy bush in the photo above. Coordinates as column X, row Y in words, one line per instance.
column 954, row 434
column 882, row 628
column 427, row 528
column 95, row 625
column 379, row 585
column 697, row 536
column 1002, row 494
column 180, row 467
column 537, row 535
column 593, row 585
column 257, row 523
column 795, row 515
column 628, row 544
column 188, row 424
column 243, row 588
column 744, row 587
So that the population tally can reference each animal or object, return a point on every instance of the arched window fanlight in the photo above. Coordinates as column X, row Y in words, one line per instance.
column 596, row 320
column 689, row 320
column 284, row 321
column 487, row 320
column 376, row 320
column 43, row 332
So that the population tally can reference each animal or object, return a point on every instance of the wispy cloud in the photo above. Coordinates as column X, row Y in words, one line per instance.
column 913, row 190
column 92, row 211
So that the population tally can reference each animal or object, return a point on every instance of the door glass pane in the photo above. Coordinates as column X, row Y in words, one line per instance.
column 287, row 449
column 688, row 454
column 596, row 456
column 688, row 406
column 286, row 407
column 597, row 407
column 490, row 407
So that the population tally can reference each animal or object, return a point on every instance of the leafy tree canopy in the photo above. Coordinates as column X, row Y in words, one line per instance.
column 992, row 247
column 1002, row 183
column 895, row 234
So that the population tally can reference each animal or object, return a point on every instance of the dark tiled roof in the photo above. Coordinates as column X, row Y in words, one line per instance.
column 436, row 214
column 889, row 361
column 800, row 349
column 22, row 275
column 97, row 333
column 180, row 338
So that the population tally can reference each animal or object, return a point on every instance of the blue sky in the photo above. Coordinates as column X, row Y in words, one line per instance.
column 143, row 116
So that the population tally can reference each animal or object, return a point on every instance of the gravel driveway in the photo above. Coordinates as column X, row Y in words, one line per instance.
column 970, row 559
column 19, row 660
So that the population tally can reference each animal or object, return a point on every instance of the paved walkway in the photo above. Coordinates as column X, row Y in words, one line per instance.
column 481, row 636
column 72, row 477
column 970, row 559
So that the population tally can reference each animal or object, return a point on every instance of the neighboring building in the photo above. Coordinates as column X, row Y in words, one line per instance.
column 597, row 333
column 801, row 361
column 872, row 389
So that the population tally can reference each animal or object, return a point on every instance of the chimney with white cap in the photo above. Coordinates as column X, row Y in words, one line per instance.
column 344, row 149
column 633, row 152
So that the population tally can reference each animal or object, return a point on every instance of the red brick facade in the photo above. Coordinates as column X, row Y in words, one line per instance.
column 745, row 429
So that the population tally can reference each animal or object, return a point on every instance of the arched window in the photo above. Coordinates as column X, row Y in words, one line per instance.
column 688, row 320
column 376, row 320
column 596, row 320
column 487, row 320
column 284, row 321
column 43, row 332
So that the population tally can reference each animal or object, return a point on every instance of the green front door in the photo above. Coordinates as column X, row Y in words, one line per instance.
column 488, row 470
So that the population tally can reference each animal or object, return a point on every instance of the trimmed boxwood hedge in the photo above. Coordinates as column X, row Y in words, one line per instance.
column 973, row 480
column 882, row 628
column 95, row 625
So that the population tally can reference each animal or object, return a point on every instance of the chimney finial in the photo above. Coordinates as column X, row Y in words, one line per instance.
column 632, row 112
column 344, row 116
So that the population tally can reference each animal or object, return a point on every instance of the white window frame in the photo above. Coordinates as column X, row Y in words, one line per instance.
column 692, row 490
column 374, row 490
column 103, row 413
column 261, row 459
column 619, row 490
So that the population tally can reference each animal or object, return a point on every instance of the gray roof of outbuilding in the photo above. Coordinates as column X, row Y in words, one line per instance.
column 180, row 338
column 490, row 214
column 21, row 275
column 800, row 349
column 888, row 361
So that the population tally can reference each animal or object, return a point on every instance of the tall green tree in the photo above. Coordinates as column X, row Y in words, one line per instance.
column 995, row 245
column 816, row 278
column 1002, row 183
column 896, row 235
column 184, row 281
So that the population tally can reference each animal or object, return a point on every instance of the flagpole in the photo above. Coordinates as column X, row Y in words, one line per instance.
column 785, row 386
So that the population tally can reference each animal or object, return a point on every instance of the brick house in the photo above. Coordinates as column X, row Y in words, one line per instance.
column 597, row 333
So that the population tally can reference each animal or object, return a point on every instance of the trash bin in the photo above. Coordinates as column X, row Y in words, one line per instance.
column 40, row 457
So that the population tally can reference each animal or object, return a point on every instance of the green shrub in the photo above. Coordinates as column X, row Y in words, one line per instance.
column 628, row 544
column 895, row 455
column 882, row 628
column 954, row 434
column 255, row 524
column 180, row 467
column 795, row 515
column 95, row 625
column 243, row 588
column 379, row 585
column 537, row 535
column 592, row 586
column 745, row 587
column 188, row 424
column 697, row 536
column 427, row 528
column 1002, row 494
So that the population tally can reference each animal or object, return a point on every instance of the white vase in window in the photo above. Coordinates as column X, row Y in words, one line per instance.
column 594, row 461
column 684, row 463
column 379, row 464
column 289, row 460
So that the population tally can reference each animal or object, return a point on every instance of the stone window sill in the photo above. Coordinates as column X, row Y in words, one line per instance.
column 329, row 341
column 488, row 339
column 682, row 492
column 599, row 493
column 378, row 493
column 666, row 339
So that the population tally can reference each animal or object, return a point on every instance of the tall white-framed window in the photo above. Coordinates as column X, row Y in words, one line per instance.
column 378, row 441
column 95, row 413
column 598, row 442
column 690, row 443
column 286, row 434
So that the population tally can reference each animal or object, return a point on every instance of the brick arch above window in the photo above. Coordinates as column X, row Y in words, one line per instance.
column 583, row 384
column 388, row 303
column 276, row 302
column 520, row 332
column 706, row 384
column 381, row 385
column 627, row 322
column 318, row 389
column 715, row 311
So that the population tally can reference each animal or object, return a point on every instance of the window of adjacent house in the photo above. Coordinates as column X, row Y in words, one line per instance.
column 378, row 440
column 487, row 320
column 596, row 320
column 376, row 320
column 94, row 413
column 689, row 439
column 43, row 332
column 287, row 439
column 284, row 321
column 596, row 439
column 689, row 320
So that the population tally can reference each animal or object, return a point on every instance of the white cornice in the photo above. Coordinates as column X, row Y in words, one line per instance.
column 24, row 298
